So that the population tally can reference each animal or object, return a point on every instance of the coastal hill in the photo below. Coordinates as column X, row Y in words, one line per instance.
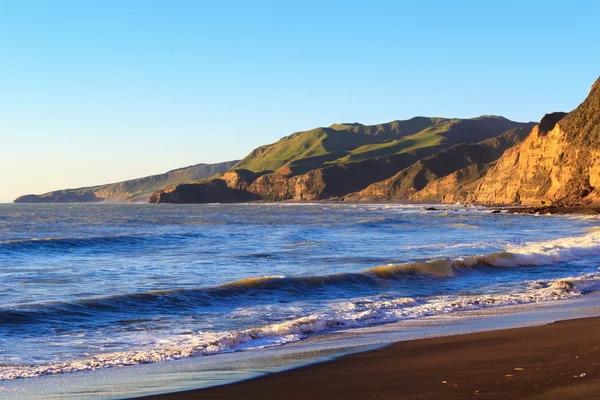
column 332, row 162
column 557, row 164
column 134, row 190
column 421, row 181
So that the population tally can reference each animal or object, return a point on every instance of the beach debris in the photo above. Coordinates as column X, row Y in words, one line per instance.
column 509, row 375
column 431, row 209
column 444, row 382
column 519, row 369
column 581, row 375
column 496, row 211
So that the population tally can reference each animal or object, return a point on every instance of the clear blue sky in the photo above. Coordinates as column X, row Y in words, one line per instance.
column 99, row 91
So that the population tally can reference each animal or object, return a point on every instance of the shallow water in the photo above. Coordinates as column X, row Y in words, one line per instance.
column 95, row 286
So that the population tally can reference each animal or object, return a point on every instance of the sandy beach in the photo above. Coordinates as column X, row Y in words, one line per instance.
column 556, row 361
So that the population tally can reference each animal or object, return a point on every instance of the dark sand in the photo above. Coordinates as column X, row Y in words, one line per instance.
column 555, row 361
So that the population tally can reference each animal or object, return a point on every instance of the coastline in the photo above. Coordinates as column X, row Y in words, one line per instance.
column 494, row 209
column 560, row 360
column 187, row 377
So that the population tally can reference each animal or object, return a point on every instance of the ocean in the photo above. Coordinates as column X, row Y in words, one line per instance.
column 88, row 287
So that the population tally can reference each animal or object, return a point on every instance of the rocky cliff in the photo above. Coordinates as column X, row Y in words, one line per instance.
column 333, row 181
column 133, row 190
column 464, row 161
column 558, row 163
column 211, row 191
column 329, row 163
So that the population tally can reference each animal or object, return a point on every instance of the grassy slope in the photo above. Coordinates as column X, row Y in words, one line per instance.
column 348, row 143
column 431, row 136
column 303, row 151
column 315, row 143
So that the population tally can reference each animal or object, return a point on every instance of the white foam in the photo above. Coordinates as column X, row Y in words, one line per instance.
column 556, row 251
column 361, row 312
column 342, row 315
column 530, row 254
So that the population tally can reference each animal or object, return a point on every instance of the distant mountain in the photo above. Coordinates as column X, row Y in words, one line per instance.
column 557, row 164
column 134, row 190
column 326, row 163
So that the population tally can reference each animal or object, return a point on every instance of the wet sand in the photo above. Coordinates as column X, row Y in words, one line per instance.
column 551, row 362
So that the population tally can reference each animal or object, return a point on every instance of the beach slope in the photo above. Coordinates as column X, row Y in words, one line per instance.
column 556, row 361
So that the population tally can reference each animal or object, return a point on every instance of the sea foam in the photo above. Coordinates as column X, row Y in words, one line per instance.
column 343, row 315
column 358, row 312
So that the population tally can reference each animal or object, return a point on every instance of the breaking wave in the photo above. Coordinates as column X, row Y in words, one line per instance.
column 341, row 314
column 531, row 254
column 349, row 314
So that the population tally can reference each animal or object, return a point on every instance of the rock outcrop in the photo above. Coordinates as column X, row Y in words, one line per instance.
column 452, row 188
column 464, row 162
column 558, row 163
column 212, row 191
column 333, row 181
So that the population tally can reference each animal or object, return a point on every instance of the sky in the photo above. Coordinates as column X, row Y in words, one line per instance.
column 94, row 92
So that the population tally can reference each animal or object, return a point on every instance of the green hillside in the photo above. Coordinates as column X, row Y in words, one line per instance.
column 303, row 151
column 347, row 143
column 430, row 136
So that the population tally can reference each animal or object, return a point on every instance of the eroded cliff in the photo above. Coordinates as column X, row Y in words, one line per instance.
column 329, row 163
column 558, row 163
column 434, row 177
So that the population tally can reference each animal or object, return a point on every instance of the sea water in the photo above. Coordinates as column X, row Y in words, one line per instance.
column 97, row 286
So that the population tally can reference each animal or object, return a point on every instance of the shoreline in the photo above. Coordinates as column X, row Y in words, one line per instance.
column 560, row 360
column 195, row 374
column 494, row 209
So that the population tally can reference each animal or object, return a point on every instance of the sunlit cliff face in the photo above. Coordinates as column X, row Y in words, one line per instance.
column 558, row 163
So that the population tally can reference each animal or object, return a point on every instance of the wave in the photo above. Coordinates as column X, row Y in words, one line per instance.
column 381, row 222
column 350, row 314
column 412, row 273
column 65, row 244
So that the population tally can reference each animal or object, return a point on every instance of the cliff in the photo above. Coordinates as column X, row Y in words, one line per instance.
column 133, row 190
column 558, row 163
column 327, row 163
column 211, row 191
column 333, row 181
column 419, row 180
